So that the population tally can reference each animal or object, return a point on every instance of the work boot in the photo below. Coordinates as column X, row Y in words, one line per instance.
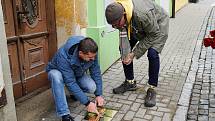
column 150, row 99
column 125, row 86
column 67, row 118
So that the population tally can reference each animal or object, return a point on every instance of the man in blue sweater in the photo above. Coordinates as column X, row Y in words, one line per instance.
column 68, row 67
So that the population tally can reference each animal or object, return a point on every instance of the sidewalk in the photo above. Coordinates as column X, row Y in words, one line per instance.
column 202, row 102
column 184, row 63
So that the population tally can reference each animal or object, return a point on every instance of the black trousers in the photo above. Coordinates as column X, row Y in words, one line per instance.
column 154, row 65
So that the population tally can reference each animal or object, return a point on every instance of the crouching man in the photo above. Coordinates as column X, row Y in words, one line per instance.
column 68, row 68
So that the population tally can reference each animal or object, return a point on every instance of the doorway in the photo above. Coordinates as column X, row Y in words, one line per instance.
column 31, row 39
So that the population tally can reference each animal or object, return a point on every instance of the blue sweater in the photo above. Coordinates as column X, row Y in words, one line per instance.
column 72, row 67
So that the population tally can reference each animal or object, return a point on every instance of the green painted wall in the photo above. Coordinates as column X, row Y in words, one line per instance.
column 109, row 43
column 158, row 2
column 97, row 29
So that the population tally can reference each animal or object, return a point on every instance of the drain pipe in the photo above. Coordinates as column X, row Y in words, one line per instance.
column 173, row 9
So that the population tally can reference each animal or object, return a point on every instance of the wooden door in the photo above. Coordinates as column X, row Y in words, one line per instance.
column 30, row 28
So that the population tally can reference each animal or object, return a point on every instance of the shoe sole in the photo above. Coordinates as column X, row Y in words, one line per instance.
column 148, row 105
column 131, row 89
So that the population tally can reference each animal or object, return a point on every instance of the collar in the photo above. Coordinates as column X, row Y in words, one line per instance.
column 128, row 6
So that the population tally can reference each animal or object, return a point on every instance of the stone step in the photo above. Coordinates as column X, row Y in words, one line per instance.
column 31, row 109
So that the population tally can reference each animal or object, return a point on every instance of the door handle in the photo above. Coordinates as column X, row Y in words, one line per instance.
column 20, row 15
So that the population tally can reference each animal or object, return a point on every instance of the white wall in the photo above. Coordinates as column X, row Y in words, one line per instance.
column 8, row 112
column 165, row 5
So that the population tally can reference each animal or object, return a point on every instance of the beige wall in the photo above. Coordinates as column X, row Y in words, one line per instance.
column 179, row 4
column 8, row 112
column 71, row 18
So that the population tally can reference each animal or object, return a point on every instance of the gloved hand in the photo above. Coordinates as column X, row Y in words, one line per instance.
column 92, row 108
column 207, row 41
column 100, row 100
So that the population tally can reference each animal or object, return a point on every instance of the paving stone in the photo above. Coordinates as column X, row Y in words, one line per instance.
column 212, row 110
column 132, row 97
column 212, row 115
column 206, row 97
column 156, row 113
column 202, row 118
column 211, row 119
column 161, row 105
column 204, row 102
column 148, row 117
column 180, row 114
column 203, row 112
column 125, row 102
column 192, row 117
column 141, row 113
column 139, row 101
column 125, row 108
column 212, row 103
column 129, row 115
column 138, row 119
column 194, row 102
column 166, row 110
column 120, row 97
column 156, row 118
column 135, row 106
column 193, row 109
column 167, row 117
column 118, row 117
column 114, row 105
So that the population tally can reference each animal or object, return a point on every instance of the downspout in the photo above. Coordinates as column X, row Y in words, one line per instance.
column 173, row 9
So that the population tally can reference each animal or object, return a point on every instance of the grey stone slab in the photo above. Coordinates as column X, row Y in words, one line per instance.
column 140, row 113
column 157, row 118
column 118, row 117
column 129, row 115
column 124, row 109
column 155, row 113
column 180, row 114
column 192, row 117
column 135, row 106
column 202, row 118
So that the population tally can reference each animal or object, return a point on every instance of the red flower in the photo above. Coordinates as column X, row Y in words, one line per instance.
column 207, row 41
column 212, row 33
column 213, row 43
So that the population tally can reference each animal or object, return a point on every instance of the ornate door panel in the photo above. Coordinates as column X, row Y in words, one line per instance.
column 28, row 38
column 35, row 59
column 33, row 32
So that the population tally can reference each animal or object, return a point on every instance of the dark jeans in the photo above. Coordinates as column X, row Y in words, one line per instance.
column 154, row 65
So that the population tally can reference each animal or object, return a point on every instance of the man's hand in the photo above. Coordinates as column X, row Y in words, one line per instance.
column 100, row 100
column 129, row 58
column 92, row 108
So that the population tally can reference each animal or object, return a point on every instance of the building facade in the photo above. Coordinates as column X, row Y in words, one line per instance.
column 31, row 32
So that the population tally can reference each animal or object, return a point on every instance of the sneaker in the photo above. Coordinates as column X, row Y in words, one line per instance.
column 125, row 86
column 150, row 99
column 67, row 118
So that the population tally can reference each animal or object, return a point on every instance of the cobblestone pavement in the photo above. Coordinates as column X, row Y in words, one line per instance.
column 184, row 63
column 202, row 101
